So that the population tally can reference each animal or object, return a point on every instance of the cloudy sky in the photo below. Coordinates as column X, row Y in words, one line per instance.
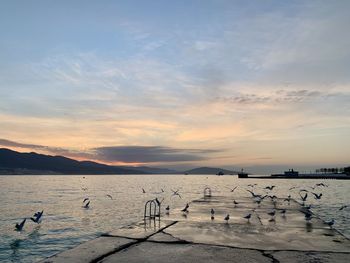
column 177, row 83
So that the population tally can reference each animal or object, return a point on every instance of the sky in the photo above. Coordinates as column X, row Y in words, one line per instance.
column 177, row 83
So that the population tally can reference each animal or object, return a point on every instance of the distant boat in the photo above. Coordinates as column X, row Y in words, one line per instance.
column 289, row 173
column 242, row 174
column 220, row 173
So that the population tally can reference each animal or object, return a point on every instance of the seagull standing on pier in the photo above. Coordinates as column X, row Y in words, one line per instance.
column 167, row 209
column 248, row 217
column 330, row 223
column 212, row 212
column 227, row 217
column 272, row 214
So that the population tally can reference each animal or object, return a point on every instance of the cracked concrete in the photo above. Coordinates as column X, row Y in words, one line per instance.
column 193, row 236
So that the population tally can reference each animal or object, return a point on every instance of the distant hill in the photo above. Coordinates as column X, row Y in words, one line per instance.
column 209, row 170
column 12, row 162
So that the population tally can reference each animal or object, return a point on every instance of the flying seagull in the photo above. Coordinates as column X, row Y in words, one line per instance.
column 87, row 205
column 185, row 210
column 270, row 187
column 342, row 207
column 317, row 196
column 85, row 199
column 235, row 202
column 20, row 226
column 37, row 217
column 110, row 197
column 303, row 198
column 232, row 189
column 143, row 191
column 176, row 193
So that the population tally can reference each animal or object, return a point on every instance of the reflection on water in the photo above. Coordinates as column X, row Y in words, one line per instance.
column 65, row 223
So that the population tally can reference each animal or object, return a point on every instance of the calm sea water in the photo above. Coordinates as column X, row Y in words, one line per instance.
column 66, row 224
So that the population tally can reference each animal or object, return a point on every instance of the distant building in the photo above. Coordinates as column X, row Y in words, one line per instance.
column 347, row 170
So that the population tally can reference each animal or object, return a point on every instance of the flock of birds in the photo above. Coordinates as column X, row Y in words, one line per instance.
column 36, row 218
column 257, row 198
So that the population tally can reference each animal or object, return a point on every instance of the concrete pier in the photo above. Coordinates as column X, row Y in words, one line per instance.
column 194, row 236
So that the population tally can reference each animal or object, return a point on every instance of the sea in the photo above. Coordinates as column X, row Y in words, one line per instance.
column 65, row 222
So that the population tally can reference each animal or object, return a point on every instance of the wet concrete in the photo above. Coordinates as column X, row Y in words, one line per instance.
column 185, row 237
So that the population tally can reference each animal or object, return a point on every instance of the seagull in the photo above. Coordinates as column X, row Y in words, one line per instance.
column 87, row 205
column 270, row 187
column 251, row 185
column 303, row 198
column 272, row 197
column 162, row 190
column 317, row 196
column 293, row 187
column 288, row 199
column 256, row 195
column 167, row 209
column 272, row 213
column 185, row 210
column 258, row 201
column 232, row 189
column 86, row 199
column 143, row 191
column 283, row 212
column 248, row 217
column 227, row 217
column 308, row 216
column 84, row 188
column 110, row 197
column 37, row 217
column 330, row 223
column 322, row 184
column 235, row 202
column 342, row 207
column 176, row 193
column 212, row 212
column 20, row 226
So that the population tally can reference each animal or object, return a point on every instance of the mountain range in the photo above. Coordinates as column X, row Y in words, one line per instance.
column 12, row 162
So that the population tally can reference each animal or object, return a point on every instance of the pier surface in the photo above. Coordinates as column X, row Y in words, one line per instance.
column 194, row 236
